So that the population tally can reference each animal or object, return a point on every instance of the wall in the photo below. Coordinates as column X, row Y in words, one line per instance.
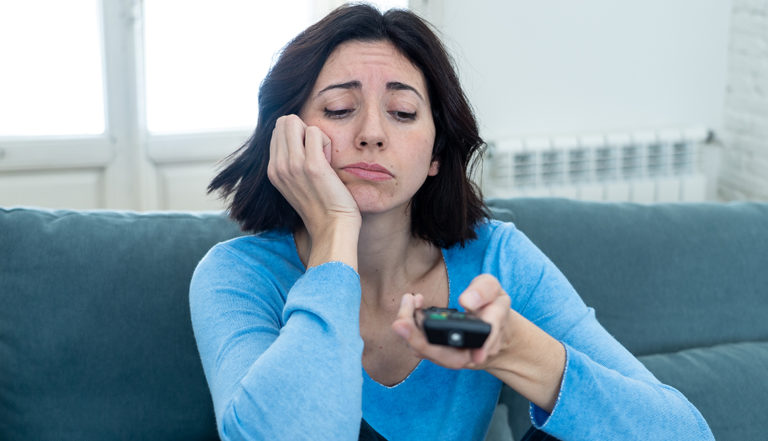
column 548, row 68
column 561, row 67
column 745, row 160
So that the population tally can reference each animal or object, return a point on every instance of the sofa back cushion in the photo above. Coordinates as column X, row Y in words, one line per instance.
column 95, row 335
column 96, row 341
column 662, row 277
column 681, row 285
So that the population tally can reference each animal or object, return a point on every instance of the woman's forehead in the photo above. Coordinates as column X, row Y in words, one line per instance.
column 369, row 62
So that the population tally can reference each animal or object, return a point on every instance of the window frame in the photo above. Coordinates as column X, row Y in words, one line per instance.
column 126, row 149
column 125, row 131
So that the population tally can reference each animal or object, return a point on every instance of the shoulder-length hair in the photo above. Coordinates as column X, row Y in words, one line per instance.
column 446, row 209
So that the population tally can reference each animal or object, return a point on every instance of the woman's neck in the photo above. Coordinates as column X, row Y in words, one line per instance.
column 390, row 258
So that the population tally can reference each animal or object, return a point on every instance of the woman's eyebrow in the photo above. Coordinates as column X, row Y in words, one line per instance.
column 348, row 85
column 396, row 85
column 392, row 85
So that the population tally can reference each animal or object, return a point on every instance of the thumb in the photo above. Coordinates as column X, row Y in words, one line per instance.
column 482, row 291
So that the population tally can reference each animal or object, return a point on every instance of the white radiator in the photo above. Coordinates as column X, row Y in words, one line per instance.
column 644, row 167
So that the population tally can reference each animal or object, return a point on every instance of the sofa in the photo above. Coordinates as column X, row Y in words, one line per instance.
column 96, row 341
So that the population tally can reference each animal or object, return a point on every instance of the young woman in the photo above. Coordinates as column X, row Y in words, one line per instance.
column 355, row 188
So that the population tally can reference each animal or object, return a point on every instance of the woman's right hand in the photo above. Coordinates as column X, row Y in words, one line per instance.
column 299, row 167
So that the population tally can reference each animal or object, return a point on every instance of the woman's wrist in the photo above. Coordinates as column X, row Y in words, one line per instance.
column 336, row 241
column 531, row 361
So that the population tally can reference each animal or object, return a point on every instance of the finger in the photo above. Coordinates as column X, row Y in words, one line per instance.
column 317, row 142
column 327, row 150
column 273, row 156
column 277, row 168
column 483, row 290
column 315, row 147
column 405, row 326
column 417, row 341
column 497, row 314
column 406, row 307
column 443, row 355
column 294, row 133
column 278, row 152
column 409, row 303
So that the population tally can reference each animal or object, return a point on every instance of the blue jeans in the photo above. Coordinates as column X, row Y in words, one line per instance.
column 367, row 433
column 534, row 434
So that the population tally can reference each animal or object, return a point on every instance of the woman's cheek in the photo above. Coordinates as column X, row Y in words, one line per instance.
column 337, row 143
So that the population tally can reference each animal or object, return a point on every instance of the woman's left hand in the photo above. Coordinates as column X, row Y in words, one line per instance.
column 487, row 300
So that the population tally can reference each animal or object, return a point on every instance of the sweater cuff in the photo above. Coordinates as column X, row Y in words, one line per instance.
column 540, row 418
column 330, row 290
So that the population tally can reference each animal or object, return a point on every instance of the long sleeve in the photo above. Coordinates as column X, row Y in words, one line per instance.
column 606, row 393
column 281, row 350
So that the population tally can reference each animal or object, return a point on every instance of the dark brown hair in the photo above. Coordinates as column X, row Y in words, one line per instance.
column 445, row 209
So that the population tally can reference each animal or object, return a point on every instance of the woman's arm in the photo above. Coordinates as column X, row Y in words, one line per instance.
column 582, row 383
column 605, row 392
column 516, row 351
column 280, row 365
column 287, row 365
column 299, row 167
column 521, row 354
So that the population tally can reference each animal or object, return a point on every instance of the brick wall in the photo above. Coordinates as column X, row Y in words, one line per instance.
column 744, row 168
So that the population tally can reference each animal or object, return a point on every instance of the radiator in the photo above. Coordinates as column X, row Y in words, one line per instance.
column 643, row 167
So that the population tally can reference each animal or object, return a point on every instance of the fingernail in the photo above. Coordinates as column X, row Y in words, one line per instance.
column 404, row 299
column 471, row 299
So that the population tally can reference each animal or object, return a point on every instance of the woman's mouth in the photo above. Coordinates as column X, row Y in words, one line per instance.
column 370, row 172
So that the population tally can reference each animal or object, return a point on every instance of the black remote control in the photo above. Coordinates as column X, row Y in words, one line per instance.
column 449, row 327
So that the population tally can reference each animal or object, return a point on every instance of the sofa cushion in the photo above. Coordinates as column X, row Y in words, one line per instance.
column 95, row 335
column 727, row 383
column 661, row 277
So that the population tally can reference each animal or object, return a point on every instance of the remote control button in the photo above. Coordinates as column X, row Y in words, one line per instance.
column 456, row 338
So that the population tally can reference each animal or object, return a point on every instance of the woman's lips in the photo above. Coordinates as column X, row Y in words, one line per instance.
column 370, row 172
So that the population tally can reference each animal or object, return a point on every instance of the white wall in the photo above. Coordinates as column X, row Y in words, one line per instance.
column 745, row 162
column 546, row 67
column 569, row 67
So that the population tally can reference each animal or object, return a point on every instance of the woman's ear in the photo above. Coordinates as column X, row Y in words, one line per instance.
column 434, row 167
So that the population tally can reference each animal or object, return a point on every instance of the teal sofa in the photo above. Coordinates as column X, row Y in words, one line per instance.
column 96, row 342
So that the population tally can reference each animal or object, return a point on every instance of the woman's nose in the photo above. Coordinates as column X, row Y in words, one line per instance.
column 371, row 132
column 378, row 143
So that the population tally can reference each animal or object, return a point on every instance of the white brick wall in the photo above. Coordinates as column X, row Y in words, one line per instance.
column 744, row 169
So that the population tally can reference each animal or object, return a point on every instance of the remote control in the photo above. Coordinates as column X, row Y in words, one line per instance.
column 449, row 327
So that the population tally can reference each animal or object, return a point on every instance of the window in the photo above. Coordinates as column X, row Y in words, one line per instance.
column 51, row 80
column 204, row 60
column 130, row 103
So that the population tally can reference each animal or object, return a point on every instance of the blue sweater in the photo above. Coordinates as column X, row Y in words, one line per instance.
column 282, row 352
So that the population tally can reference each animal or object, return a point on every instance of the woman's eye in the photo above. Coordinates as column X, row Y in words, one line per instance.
column 404, row 116
column 336, row 113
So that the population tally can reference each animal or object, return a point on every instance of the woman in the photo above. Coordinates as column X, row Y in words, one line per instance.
column 355, row 185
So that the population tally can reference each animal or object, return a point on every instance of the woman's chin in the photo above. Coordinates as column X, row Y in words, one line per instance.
column 371, row 202
column 370, row 207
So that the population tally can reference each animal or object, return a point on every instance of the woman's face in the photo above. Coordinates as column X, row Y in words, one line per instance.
column 373, row 104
